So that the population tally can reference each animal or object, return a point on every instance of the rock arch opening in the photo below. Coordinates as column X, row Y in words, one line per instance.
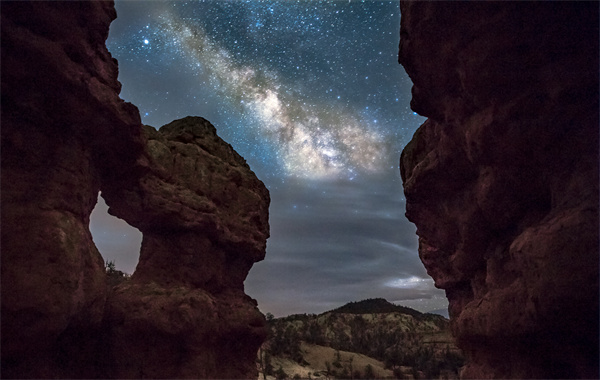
column 116, row 240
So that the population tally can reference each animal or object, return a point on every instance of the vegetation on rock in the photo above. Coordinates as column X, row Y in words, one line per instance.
column 114, row 277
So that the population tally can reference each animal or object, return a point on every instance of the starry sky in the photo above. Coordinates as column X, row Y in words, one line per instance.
column 310, row 93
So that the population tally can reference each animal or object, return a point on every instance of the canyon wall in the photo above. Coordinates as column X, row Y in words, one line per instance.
column 502, row 179
column 66, row 135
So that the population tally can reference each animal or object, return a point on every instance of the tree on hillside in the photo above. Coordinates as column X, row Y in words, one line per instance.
column 379, row 342
column 358, row 329
column 452, row 360
column 280, row 374
column 393, row 358
column 369, row 372
column 264, row 361
column 341, row 340
column 337, row 359
column 314, row 333
column 327, row 370
column 292, row 339
column 110, row 266
column 286, row 342
column 114, row 276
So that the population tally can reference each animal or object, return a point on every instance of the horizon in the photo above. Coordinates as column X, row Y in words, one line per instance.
column 441, row 312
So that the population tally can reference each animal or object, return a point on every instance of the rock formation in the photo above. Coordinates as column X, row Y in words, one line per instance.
column 502, row 179
column 61, row 116
column 204, row 218
column 66, row 135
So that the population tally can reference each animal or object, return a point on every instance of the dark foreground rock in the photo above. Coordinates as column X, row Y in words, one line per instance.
column 502, row 179
column 66, row 135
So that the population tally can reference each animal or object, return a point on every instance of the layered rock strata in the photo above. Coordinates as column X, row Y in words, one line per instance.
column 502, row 179
column 66, row 135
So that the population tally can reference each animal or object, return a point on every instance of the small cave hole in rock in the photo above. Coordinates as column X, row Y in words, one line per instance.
column 117, row 241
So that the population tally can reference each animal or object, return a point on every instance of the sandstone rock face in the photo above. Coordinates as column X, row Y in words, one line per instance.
column 204, row 218
column 66, row 135
column 60, row 113
column 502, row 179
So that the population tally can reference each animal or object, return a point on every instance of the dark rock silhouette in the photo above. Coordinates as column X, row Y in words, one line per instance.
column 502, row 179
column 66, row 135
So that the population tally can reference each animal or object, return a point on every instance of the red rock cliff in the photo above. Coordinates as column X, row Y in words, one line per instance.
column 502, row 179
column 66, row 135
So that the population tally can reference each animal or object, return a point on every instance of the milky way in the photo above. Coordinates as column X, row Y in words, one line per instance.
column 311, row 141
column 311, row 94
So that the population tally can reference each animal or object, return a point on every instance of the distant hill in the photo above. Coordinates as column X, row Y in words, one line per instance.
column 374, row 306
column 393, row 341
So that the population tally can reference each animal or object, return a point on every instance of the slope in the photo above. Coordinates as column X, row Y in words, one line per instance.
column 395, row 341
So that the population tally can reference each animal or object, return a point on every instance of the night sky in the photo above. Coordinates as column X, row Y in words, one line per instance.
column 311, row 94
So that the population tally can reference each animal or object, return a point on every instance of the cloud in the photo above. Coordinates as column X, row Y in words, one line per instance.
column 338, row 241
column 332, row 242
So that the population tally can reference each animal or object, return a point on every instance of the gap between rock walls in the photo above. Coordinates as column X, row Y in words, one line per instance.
column 116, row 240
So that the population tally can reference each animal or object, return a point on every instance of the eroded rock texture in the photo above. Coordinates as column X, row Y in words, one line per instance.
column 66, row 135
column 61, row 114
column 204, row 218
column 502, row 179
